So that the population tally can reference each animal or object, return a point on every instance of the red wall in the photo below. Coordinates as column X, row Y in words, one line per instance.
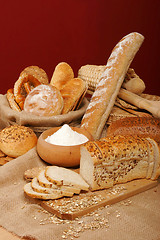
column 46, row 32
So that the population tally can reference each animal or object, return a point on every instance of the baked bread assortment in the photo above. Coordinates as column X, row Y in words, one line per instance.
column 63, row 92
column 55, row 182
column 17, row 140
column 130, row 149
column 29, row 78
column 119, row 159
column 104, row 97
column 141, row 126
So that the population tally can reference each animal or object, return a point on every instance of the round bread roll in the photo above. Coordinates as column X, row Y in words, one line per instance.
column 17, row 140
column 44, row 100
column 36, row 72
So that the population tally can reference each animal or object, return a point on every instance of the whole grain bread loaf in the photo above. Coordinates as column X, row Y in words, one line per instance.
column 119, row 159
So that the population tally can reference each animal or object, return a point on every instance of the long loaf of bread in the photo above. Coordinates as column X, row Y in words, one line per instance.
column 110, row 83
column 119, row 159
column 141, row 126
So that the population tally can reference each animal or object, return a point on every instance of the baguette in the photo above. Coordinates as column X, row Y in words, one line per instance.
column 106, row 92
column 119, row 159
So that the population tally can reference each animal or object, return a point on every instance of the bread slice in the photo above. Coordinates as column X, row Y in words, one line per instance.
column 156, row 168
column 36, row 187
column 44, row 182
column 123, row 159
column 66, row 177
column 45, row 196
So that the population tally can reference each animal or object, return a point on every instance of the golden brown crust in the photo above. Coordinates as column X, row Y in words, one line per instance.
column 133, row 83
column 17, row 140
column 11, row 99
column 144, row 127
column 106, row 92
column 71, row 93
column 61, row 75
column 44, row 100
column 21, row 89
column 37, row 73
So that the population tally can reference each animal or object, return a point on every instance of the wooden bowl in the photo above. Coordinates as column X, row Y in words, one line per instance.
column 64, row 156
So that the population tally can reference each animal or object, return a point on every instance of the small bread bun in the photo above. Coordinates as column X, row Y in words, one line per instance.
column 17, row 140
column 61, row 75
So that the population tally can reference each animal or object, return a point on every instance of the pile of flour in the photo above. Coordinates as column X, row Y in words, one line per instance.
column 65, row 136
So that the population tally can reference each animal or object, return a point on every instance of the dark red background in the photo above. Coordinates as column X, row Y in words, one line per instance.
column 80, row 32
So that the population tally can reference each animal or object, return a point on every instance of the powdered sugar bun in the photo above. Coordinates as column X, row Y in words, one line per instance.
column 44, row 100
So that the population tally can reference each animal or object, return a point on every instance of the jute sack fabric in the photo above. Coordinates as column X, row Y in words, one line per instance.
column 38, row 124
column 21, row 215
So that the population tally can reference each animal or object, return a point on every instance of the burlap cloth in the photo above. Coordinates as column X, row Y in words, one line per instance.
column 139, row 219
column 136, row 218
column 38, row 124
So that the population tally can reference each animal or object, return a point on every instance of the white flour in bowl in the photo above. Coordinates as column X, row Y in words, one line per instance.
column 65, row 136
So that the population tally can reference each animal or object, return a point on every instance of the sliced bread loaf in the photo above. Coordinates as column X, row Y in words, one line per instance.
column 45, row 196
column 120, row 159
column 44, row 182
column 36, row 187
column 156, row 167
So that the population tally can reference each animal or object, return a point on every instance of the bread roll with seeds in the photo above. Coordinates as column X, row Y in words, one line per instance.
column 106, row 92
column 17, row 140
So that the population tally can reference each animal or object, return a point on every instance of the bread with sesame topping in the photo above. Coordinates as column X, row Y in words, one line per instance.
column 17, row 140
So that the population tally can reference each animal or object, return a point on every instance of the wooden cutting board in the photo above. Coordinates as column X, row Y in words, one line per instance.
column 84, row 203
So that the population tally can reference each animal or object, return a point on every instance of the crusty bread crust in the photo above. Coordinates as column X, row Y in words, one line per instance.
column 61, row 75
column 71, row 93
column 110, row 83
column 142, row 126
